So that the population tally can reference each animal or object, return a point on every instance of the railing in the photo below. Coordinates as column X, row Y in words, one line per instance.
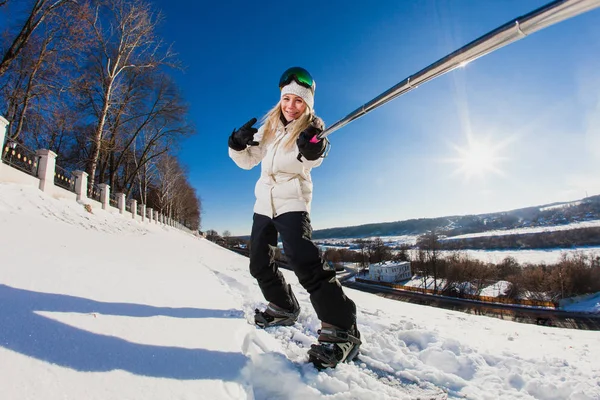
column 63, row 178
column 487, row 299
column 94, row 192
column 20, row 157
column 42, row 166
column 113, row 200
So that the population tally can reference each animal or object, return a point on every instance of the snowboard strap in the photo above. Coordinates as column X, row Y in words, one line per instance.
column 280, row 312
column 337, row 335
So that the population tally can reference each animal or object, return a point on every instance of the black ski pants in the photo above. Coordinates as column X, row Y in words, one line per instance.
column 326, row 294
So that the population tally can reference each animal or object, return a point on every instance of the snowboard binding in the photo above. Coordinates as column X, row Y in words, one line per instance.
column 277, row 316
column 335, row 346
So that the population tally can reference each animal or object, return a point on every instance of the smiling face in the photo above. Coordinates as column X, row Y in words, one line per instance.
column 292, row 107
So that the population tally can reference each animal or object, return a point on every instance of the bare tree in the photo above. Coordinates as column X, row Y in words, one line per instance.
column 168, row 175
column 403, row 254
column 40, row 9
column 167, row 189
column 212, row 235
column 151, row 132
column 363, row 246
column 431, row 245
column 379, row 252
column 37, row 87
column 333, row 255
column 187, row 207
column 124, row 31
column 226, row 236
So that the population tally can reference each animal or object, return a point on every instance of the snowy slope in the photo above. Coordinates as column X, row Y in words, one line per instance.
column 103, row 307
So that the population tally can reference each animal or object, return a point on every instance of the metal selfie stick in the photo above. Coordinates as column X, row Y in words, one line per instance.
column 512, row 31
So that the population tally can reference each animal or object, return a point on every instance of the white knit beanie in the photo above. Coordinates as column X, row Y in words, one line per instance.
column 300, row 91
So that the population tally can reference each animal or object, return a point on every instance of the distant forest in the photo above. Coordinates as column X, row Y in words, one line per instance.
column 541, row 240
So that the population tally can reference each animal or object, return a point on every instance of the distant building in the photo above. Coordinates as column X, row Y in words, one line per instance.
column 390, row 271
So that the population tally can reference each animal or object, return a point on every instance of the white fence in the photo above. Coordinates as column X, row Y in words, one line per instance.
column 39, row 169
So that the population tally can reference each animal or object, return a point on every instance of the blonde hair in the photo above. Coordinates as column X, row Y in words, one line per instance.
column 273, row 118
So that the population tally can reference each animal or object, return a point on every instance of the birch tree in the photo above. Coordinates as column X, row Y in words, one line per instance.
column 169, row 174
column 124, row 31
column 153, row 123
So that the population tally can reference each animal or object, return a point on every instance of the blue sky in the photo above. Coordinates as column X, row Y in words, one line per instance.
column 531, row 110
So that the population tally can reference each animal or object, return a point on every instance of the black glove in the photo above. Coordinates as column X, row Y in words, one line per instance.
column 243, row 137
column 309, row 145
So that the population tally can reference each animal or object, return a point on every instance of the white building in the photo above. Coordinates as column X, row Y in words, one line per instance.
column 390, row 271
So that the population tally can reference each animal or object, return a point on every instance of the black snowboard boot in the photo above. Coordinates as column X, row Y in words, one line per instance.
column 335, row 346
column 277, row 316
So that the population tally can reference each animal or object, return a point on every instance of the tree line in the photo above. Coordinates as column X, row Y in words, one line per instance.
column 456, row 274
column 89, row 80
column 539, row 240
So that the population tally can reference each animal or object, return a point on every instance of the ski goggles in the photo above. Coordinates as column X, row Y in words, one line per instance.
column 300, row 75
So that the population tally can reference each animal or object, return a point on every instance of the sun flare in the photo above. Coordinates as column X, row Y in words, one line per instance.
column 478, row 158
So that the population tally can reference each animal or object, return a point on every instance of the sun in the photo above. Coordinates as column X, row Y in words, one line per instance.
column 478, row 158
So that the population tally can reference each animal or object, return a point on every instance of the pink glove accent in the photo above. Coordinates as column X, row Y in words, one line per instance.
column 315, row 139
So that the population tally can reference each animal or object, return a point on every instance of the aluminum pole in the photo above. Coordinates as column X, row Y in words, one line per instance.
column 510, row 32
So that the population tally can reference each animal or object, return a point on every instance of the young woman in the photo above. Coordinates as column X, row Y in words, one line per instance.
column 287, row 147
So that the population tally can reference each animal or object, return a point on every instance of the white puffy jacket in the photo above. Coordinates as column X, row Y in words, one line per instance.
column 285, row 184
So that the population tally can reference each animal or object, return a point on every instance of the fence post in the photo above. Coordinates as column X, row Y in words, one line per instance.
column 156, row 217
column 3, row 129
column 46, row 168
column 81, row 182
column 149, row 214
column 133, row 208
column 104, row 195
column 121, row 202
column 143, row 212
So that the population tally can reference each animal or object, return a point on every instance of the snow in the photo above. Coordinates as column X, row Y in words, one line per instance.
column 589, row 303
column 561, row 205
column 98, row 306
column 497, row 289
column 430, row 283
column 535, row 229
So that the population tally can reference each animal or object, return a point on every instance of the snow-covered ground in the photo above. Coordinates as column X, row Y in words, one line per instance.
column 590, row 303
column 523, row 257
column 533, row 229
column 97, row 306
column 549, row 256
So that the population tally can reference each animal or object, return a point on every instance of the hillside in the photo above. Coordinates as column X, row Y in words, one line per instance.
column 554, row 214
